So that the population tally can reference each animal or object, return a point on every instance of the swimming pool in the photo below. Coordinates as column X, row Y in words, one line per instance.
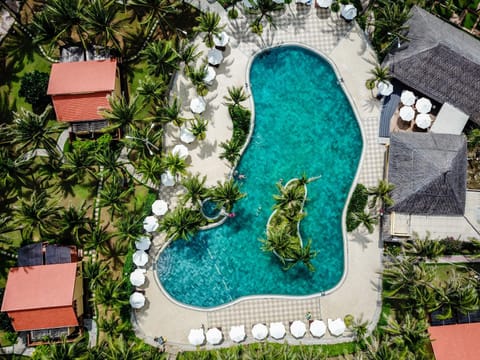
column 303, row 123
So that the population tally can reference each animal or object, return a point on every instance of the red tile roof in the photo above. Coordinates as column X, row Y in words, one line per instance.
column 43, row 318
column 456, row 341
column 80, row 107
column 82, row 77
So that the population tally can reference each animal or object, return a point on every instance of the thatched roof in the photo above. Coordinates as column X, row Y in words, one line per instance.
column 429, row 172
column 440, row 61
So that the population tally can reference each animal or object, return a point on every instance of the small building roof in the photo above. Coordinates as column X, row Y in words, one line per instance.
column 455, row 341
column 80, row 107
column 440, row 61
column 39, row 287
column 429, row 172
column 82, row 77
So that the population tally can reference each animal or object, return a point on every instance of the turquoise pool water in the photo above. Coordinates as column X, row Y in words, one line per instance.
column 303, row 123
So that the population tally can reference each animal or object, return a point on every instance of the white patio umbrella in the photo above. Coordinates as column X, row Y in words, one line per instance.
column 143, row 243
column 348, row 12
column 137, row 300
column 196, row 337
column 385, row 88
column 407, row 98
column 150, row 224
column 214, row 336
column 423, row 105
column 210, row 75
column 407, row 113
column 249, row 3
column 298, row 329
column 318, row 328
column 140, row 258
column 221, row 40
column 186, row 135
column 423, row 121
column 336, row 327
column 214, row 57
column 324, row 3
column 159, row 207
column 180, row 150
column 277, row 330
column 137, row 277
column 237, row 333
column 167, row 179
column 198, row 105
column 259, row 331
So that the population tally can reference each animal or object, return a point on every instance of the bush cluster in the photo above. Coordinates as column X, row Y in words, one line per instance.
column 357, row 205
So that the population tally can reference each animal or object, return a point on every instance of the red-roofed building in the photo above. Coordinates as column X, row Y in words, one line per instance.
column 46, row 301
column 459, row 341
column 80, row 91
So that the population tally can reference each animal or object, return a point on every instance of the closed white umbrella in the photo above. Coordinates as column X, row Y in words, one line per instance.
column 198, row 105
column 137, row 300
column 385, row 88
column 210, row 75
column 180, row 150
column 259, row 331
column 423, row 105
column 407, row 113
column 159, row 207
column 348, row 12
column 298, row 329
column 237, row 333
column 407, row 98
column 336, row 327
column 221, row 40
column 196, row 337
column 143, row 243
column 150, row 224
column 423, row 121
column 214, row 336
column 137, row 277
column 167, row 179
column 277, row 330
column 140, row 258
column 318, row 328
column 186, row 135
column 324, row 3
column 214, row 57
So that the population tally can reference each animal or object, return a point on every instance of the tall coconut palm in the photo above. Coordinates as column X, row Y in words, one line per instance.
column 196, row 190
column 175, row 164
column 145, row 141
column 264, row 10
column 111, row 169
column 64, row 350
column 366, row 219
column 129, row 228
column 236, row 95
column 209, row 23
column 94, row 272
column 113, row 326
column 380, row 74
column 112, row 294
column 161, row 57
column 79, row 163
column 160, row 10
column 199, row 127
column 424, row 247
column 231, row 151
column 169, row 113
column 123, row 114
column 304, row 255
column 381, row 193
column 153, row 91
column 74, row 224
column 196, row 76
column 290, row 196
column 189, row 53
column 98, row 235
column 13, row 171
column 151, row 169
column 115, row 197
column 182, row 223
column 114, row 251
column 120, row 348
column 226, row 194
column 279, row 240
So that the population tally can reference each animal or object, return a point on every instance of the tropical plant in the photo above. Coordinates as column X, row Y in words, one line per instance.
column 130, row 227
column 114, row 251
column 198, row 127
column 189, row 53
column 195, row 189
column 380, row 74
column 74, row 224
column 381, row 193
column 279, row 240
column 159, row 10
column 113, row 326
column 122, row 114
column 169, row 113
column 196, row 76
column 112, row 294
column 226, row 194
column 13, row 171
column 175, row 164
column 64, row 350
column 110, row 168
column 236, row 95
column 304, row 255
column 424, row 247
column 182, row 223
column 161, row 57
column 115, row 197
column 97, row 236
column 94, row 272
column 291, row 196
column 152, row 90
column 209, row 23
column 366, row 219
column 264, row 10
column 231, row 151
column 357, row 203
column 33, row 87
column 151, row 169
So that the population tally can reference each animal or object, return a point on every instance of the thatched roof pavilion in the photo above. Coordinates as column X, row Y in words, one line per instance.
column 429, row 172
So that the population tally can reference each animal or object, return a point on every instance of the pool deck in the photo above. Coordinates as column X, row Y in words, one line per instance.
column 359, row 293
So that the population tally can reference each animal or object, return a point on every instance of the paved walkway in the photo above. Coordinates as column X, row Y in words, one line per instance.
column 359, row 293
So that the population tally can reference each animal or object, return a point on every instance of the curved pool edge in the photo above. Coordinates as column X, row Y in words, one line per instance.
column 230, row 175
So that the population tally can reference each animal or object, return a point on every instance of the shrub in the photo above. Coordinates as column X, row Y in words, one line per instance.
column 33, row 87
column 241, row 123
column 357, row 204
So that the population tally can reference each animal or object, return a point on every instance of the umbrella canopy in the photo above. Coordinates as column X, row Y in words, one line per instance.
column 186, row 135
column 349, row 12
column 159, row 207
column 198, row 105
column 140, row 258
column 210, row 75
column 277, row 330
column 407, row 113
column 318, row 328
column 137, row 277
column 214, row 336
column 423, row 121
column 259, row 331
column 237, row 333
column 385, row 88
column 137, row 300
column 407, row 98
column 167, row 179
column 336, row 327
column 221, row 40
column 196, row 337
column 180, row 150
column 249, row 3
column 298, row 329
column 423, row 105
column 143, row 243
column 150, row 224
column 214, row 57
column 324, row 3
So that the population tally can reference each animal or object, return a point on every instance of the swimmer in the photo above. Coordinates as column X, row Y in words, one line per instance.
column 242, row 176
column 259, row 210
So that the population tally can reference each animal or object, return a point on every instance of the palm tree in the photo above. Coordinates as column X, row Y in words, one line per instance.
column 77, row 350
column 381, row 193
column 119, row 348
column 383, row 349
column 236, row 95
column 74, row 224
column 424, row 248
column 196, row 190
column 264, row 9
column 79, row 163
column 169, row 113
column 13, row 171
column 151, row 169
column 302, row 254
column 175, row 164
column 209, row 23
column 459, row 293
column 182, row 223
column 188, row 53
column 122, row 114
column 159, row 10
column 290, row 196
column 107, row 160
column 161, row 57
column 196, row 76
column 152, row 90
column 226, row 194
column 113, row 326
column 366, row 219
column 94, row 272
column 231, row 151
column 98, row 235
column 113, row 196
column 380, row 74
column 130, row 227
column 279, row 240
column 198, row 127
column 112, row 294
column 114, row 251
